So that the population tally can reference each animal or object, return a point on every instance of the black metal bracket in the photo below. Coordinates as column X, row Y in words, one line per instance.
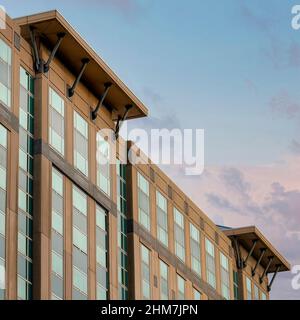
column 94, row 113
column 263, row 251
column 250, row 253
column 39, row 65
column 261, row 278
column 239, row 260
column 71, row 90
column 37, row 61
column 60, row 37
column 121, row 120
column 274, row 276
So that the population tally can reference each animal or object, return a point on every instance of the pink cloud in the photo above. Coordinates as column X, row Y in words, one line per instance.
column 266, row 196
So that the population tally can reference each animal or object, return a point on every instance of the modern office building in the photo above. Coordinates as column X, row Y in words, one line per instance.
column 73, row 226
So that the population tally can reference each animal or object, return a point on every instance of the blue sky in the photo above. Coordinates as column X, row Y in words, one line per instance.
column 230, row 67
column 223, row 60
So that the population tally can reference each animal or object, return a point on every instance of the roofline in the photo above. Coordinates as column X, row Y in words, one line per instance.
column 254, row 229
column 55, row 14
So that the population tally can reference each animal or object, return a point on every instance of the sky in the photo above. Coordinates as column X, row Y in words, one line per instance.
column 228, row 67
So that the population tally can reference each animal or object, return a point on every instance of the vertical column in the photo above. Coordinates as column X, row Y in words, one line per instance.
column 42, row 200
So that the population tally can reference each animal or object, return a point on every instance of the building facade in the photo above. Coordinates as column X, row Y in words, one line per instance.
column 73, row 226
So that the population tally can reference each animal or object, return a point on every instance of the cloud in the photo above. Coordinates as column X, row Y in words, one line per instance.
column 266, row 196
column 263, row 23
column 295, row 147
column 284, row 104
column 125, row 7
column 294, row 55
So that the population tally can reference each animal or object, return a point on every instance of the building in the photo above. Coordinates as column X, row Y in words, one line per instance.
column 72, row 227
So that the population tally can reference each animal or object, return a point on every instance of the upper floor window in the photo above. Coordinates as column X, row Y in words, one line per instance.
column 197, row 294
column 180, row 288
column 210, row 263
column 195, row 249
column 248, row 288
column 235, row 285
column 164, row 280
column 81, row 144
column 256, row 292
column 101, row 254
column 145, row 273
column 143, row 202
column 179, row 235
column 225, row 286
column 5, row 74
column 56, row 122
column 162, row 218
column 103, row 166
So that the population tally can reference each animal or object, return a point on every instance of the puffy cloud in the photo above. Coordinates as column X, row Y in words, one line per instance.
column 265, row 196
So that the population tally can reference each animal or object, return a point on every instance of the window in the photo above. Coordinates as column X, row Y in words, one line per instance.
column 143, row 202
column 3, row 168
column 180, row 288
column 164, row 280
column 195, row 250
column 145, row 266
column 25, row 188
column 56, row 122
column 236, row 285
column 179, row 235
column 263, row 296
column 101, row 253
column 225, row 279
column 256, row 292
column 210, row 263
column 57, row 232
column 197, row 294
column 162, row 218
column 81, row 144
column 122, row 231
column 103, row 164
column 5, row 74
column 80, row 259
column 249, row 288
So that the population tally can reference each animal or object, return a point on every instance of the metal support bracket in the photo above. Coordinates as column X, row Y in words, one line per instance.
column 121, row 120
column 60, row 37
column 263, row 251
column 71, row 90
column 37, row 61
column 239, row 260
column 274, row 276
column 250, row 253
column 94, row 113
column 261, row 278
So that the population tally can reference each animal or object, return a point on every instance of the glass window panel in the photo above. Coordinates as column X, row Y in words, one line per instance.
column 57, row 264
column 79, row 240
column 77, row 295
column 79, row 200
column 80, row 280
column 80, row 260
column 57, row 222
column 57, row 285
column 57, row 242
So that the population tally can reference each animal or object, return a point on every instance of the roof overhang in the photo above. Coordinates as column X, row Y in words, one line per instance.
column 71, row 52
column 247, row 235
